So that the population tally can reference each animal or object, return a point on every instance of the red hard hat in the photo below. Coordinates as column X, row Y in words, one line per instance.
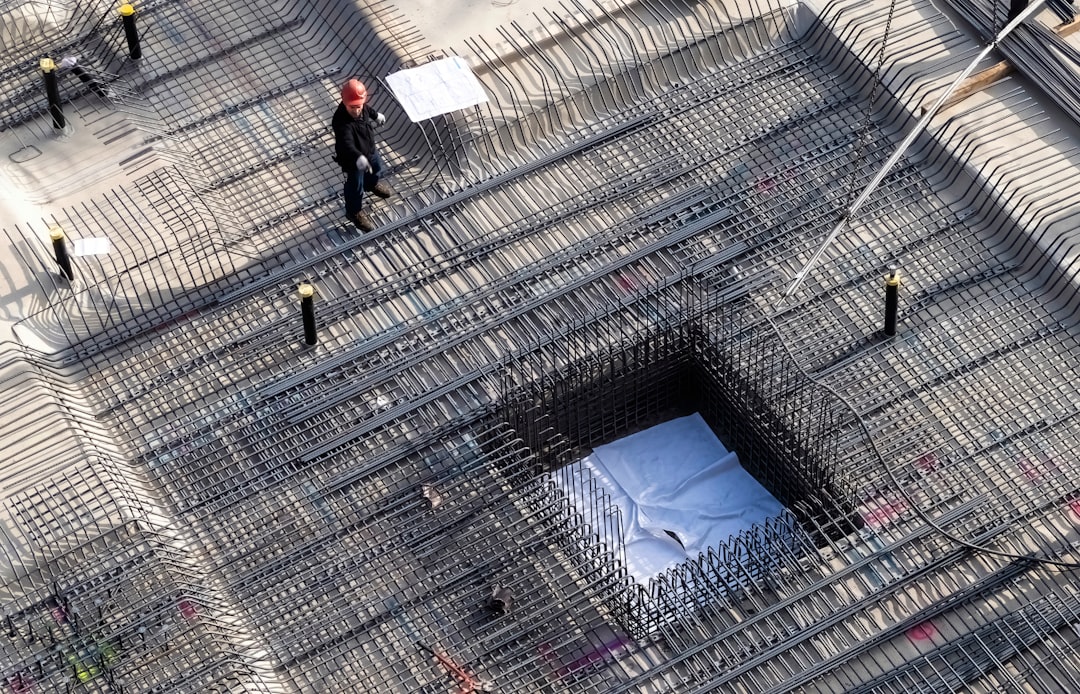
column 354, row 93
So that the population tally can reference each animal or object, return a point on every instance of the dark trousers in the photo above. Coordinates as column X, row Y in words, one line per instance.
column 356, row 182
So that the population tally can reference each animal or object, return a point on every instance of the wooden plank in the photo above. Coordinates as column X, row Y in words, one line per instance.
column 983, row 79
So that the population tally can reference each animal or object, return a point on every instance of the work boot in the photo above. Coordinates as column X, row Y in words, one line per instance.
column 382, row 189
column 362, row 221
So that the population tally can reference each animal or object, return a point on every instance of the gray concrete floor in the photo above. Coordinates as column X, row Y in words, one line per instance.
column 448, row 24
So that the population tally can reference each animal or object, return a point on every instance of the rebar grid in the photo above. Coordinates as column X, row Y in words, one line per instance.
column 90, row 30
column 217, row 63
column 114, row 602
column 307, row 477
column 387, row 566
column 529, row 257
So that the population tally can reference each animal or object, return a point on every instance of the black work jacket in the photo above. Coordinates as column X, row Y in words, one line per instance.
column 353, row 136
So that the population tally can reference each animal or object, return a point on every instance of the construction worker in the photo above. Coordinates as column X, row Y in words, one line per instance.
column 354, row 144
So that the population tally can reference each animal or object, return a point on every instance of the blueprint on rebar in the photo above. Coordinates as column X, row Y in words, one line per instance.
column 680, row 492
column 435, row 88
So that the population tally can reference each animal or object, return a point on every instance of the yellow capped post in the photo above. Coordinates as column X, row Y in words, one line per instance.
column 892, row 300
column 52, row 92
column 56, row 235
column 131, row 33
column 307, row 310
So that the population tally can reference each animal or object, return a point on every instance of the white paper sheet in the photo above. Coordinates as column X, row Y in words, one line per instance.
column 91, row 246
column 438, row 87
column 674, row 478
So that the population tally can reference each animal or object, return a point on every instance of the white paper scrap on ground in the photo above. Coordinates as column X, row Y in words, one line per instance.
column 436, row 88
column 675, row 478
column 91, row 246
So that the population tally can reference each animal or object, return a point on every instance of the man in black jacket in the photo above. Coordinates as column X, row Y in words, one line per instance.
column 354, row 144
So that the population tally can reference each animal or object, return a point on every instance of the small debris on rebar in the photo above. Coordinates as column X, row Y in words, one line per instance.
column 431, row 494
column 501, row 600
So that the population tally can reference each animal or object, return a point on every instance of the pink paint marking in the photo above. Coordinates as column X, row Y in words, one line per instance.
column 626, row 282
column 765, row 186
column 927, row 462
column 599, row 655
column 176, row 321
column 21, row 684
column 188, row 610
column 1074, row 506
column 922, row 632
column 59, row 615
column 1030, row 470
column 883, row 512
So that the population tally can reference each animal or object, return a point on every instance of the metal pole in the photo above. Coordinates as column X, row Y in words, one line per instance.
column 849, row 214
column 52, row 92
column 127, row 16
column 307, row 308
column 892, row 296
column 60, row 251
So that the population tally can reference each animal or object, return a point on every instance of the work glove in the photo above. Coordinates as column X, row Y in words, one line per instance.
column 379, row 119
column 68, row 61
column 362, row 164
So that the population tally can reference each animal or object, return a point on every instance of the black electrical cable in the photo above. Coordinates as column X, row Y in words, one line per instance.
column 859, row 154
column 1064, row 565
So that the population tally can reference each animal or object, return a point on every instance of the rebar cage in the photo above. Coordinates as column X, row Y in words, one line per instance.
column 606, row 381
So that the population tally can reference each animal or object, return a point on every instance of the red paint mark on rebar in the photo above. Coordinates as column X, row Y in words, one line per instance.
column 922, row 632
column 176, row 321
column 58, row 614
column 469, row 683
column 594, row 657
column 626, row 282
column 188, row 610
column 20, row 683
column 927, row 462
column 765, row 186
column 1074, row 506
column 1030, row 470
column 881, row 512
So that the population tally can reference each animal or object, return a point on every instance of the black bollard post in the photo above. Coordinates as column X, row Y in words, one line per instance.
column 52, row 92
column 127, row 16
column 892, row 297
column 60, row 251
column 307, row 308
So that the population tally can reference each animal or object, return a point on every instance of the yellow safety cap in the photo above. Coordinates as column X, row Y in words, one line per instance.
column 892, row 280
column 56, row 233
column 47, row 64
column 306, row 290
column 127, row 9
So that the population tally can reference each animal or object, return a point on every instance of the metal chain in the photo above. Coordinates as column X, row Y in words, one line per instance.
column 863, row 133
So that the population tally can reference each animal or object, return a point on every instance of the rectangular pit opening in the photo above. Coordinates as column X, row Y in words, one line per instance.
column 583, row 398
